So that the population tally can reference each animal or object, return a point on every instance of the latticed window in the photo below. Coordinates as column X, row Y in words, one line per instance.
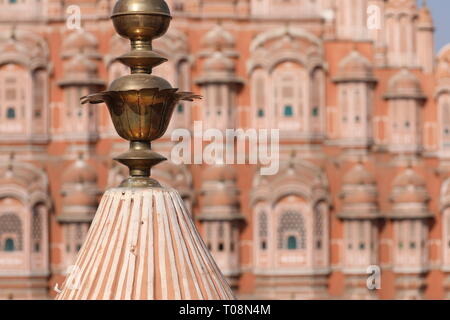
column 291, row 222
column 36, row 230
column 11, row 232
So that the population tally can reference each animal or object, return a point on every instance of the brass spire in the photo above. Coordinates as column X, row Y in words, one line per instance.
column 141, row 104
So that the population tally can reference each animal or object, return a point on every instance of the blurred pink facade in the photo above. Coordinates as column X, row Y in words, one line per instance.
column 364, row 119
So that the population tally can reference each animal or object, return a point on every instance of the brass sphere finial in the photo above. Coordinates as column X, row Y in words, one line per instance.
column 141, row 19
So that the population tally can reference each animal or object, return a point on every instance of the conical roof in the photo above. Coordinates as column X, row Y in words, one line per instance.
column 143, row 245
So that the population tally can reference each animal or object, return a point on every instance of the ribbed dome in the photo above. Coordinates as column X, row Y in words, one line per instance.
column 145, row 247
column 355, row 66
column 80, row 197
column 219, row 39
column 218, row 62
column 404, row 83
column 359, row 186
column 425, row 17
column 359, row 175
column 18, row 176
column 408, row 178
column 409, row 187
column 80, row 65
column 175, row 176
column 79, row 192
column 222, row 197
column 219, row 173
column 443, row 70
column 79, row 172
column 79, row 41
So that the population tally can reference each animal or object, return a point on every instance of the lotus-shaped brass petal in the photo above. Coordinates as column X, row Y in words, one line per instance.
column 140, row 115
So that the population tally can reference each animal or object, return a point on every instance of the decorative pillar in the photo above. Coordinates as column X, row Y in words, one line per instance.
column 142, row 244
column 425, row 39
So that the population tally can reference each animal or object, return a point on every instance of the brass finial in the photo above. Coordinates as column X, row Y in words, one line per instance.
column 141, row 104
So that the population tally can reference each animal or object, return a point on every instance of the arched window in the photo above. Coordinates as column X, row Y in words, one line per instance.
column 209, row 234
column 259, row 96
column 220, row 234
column 14, row 96
column 361, row 236
column 36, row 229
column 39, row 93
column 291, row 222
column 11, row 113
column 288, row 111
column 263, row 230
column 79, row 236
column 10, row 224
column 9, row 245
column 290, row 100
column 181, row 118
column 318, row 225
column 292, row 243
column 316, row 104
column 344, row 104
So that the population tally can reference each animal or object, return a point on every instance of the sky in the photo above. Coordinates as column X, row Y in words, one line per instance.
column 441, row 14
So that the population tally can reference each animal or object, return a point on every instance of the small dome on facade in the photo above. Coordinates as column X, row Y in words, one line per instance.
column 79, row 41
column 425, row 17
column 80, row 65
column 408, row 178
column 359, row 175
column 18, row 176
column 79, row 197
column 359, row 194
column 79, row 192
column 218, row 62
column 79, row 172
column 225, row 197
column 355, row 66
column 174, row 176
column 219, row 173
column 443, row 70
column 409, row 187
column 404, row 84
column 219, row 39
